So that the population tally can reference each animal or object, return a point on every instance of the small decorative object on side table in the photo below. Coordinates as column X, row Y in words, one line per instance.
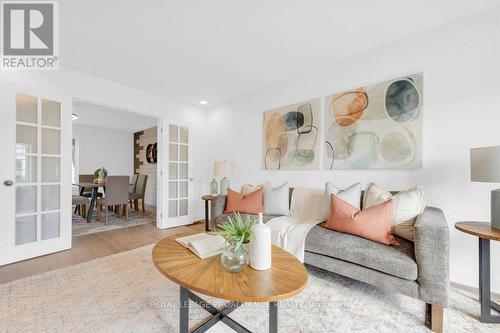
column 285, row 279
column 223, row 169
column 485, row 232
column 214, row 188
column 485, row 167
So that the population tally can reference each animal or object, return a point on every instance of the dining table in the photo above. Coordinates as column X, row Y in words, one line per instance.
column 93, row 198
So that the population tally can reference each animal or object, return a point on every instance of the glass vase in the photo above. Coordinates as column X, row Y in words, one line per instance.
column 235, row 257
column 214, row 187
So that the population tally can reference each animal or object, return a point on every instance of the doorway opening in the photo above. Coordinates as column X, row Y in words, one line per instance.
column 115, row 168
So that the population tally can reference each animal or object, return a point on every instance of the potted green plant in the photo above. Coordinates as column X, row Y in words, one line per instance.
column 236, row 231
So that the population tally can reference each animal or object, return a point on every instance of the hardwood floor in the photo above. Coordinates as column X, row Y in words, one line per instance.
column 93, row 246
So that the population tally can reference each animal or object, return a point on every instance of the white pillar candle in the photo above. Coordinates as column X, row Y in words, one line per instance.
column 260, row 246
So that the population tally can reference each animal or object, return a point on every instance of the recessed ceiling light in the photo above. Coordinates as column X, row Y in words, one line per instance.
column 203, row 102
column 74, row 116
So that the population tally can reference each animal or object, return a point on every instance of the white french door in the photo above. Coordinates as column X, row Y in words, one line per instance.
column 179, row 176
column 35, row 169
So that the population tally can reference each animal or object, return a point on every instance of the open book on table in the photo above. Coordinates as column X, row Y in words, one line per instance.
column 203, row 245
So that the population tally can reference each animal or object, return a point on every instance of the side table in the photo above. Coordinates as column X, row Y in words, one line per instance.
column 485, row 233
column 207, row 198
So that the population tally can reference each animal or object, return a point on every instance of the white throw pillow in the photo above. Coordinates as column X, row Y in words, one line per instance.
column 276, row 200
column 351, row 195
column 409, row 205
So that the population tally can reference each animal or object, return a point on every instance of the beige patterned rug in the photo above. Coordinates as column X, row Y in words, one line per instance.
column 80, row 226
column 125, row 293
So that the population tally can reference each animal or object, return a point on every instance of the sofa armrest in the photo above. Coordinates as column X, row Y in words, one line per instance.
column 432, row 256
column 218, row 204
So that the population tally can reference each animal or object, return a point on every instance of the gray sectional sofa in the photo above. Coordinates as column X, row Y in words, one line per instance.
column 418, row 269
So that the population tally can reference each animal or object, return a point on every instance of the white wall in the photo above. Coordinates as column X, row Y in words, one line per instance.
column 74, row 84
column 461, row 66
column 99, row 147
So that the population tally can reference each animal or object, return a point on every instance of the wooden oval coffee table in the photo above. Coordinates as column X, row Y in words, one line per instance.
column 286, row 278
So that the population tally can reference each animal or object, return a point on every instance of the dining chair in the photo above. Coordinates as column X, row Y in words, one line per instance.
column 133, row 183
column 116, row 195
column 140, row 190
column 81, row 204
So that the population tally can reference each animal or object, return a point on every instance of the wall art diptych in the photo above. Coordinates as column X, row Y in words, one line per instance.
column 292, row 137
column 375, row 127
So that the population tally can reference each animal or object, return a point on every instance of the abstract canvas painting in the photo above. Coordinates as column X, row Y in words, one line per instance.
column 292, row 136
column 378, row 126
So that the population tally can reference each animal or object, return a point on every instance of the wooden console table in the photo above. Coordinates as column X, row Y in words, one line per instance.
column 485, row 233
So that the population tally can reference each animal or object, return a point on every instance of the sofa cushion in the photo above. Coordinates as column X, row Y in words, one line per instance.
column 249, row 188
column 350, row 195
column 409, row 204
column 373, row 223
column 276, row 199
column 250, row 204
column 396, row 261
column 265, row 217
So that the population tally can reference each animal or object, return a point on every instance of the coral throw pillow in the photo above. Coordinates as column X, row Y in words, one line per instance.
column 373, row 223
column 250, row 204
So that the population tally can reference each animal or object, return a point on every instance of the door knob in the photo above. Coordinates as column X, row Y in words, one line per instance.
column 8, row 183
column 191, row 179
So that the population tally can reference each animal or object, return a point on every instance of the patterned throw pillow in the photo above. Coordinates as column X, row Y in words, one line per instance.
column 409, row 204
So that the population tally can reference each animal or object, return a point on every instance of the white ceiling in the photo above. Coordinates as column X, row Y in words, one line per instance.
column 95, row 115
column 217, row 50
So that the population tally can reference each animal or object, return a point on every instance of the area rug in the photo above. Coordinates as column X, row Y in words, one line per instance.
column 82, row 227
column 125, row 293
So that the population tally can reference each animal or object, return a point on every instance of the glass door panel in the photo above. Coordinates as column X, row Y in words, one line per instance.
column 25, row 168
column 51, row 169
column 50, row 225
column 38, row 168
column 26, row 229
column 178, row 171
column 51, row 113
column 26, row 109
column 27, row 139
column 26, row 199
column 35, row 185
column 51, row 141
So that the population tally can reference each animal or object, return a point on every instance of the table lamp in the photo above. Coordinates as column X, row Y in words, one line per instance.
column 485, row 167
column 223, row 169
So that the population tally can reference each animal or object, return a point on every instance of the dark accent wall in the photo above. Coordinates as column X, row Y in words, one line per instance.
column 137, row 150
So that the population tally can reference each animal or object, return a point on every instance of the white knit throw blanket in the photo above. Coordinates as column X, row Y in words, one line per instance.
column 289, row 232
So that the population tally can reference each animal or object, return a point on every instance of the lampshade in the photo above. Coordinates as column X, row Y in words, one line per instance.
column 485, row 164
column 223, row 168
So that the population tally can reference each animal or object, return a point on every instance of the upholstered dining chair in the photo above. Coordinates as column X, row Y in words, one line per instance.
column 81, row 204
column 140, row 190
column 116, row 195
column 132, row 185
